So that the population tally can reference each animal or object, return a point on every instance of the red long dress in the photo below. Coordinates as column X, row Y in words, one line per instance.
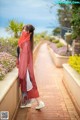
column 26, row 62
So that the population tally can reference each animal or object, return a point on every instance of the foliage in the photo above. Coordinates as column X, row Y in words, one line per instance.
column 41, row 36
column 8, row 45
column 74, row 62
column 64, row 15
column 7, row 63
column 51, row 38
column 56, row 31
column 75, row 19
column 55, row 41
column 62, row 50
column 60, row 45
column 13, row 41
column 15, row 27
column 76, row 22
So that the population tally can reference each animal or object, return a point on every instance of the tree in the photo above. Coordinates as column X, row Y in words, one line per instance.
column 15, row 27
column 75, row 19
column 64, row 15
column 56, row 31
column 75, row 22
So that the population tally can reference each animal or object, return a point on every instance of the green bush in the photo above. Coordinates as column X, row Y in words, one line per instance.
column 55, row 41
column 74, row 62
column 47, row 37
column 7, row 63
column 9, row 45
column 59, row 44
column 39, row 37
column 51, row 38
column 13, row 41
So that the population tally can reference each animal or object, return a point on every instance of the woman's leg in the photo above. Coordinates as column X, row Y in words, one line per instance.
column 25, row 102
column 40, row 104
column 38, row 100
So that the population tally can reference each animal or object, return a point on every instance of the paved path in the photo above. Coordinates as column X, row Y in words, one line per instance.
column 49, row 80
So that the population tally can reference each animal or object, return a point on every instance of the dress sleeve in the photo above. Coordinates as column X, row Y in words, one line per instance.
column 23, row 61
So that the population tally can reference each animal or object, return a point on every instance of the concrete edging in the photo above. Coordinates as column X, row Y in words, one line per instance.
column 72, row 83
column 9, row 93
column 57, row 59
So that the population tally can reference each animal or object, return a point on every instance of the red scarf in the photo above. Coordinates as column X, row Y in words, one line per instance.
column 24, row 37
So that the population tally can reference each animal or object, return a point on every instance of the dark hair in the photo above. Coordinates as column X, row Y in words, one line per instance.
column 18, row 51
column 31, row 29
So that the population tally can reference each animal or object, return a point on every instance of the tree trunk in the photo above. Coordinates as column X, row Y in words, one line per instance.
column 75, row 48
column 16, row 35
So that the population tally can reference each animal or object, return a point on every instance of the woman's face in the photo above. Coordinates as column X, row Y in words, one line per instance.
column 24, row 27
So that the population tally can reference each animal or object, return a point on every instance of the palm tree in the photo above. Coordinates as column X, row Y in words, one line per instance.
column 15, row 27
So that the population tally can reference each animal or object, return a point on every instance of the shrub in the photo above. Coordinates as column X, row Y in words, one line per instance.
column 74, row 62
column 9, row 45
column 61, row 50
column 7, row 63
column 55, row 41
column 13, row 41
column 47, row 37
column 2, row 72
column 60, row 45
column 51, row 38
column 56, row 31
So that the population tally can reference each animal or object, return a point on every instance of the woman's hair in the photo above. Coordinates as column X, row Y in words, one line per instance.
column 31, row 29
column 18, row 51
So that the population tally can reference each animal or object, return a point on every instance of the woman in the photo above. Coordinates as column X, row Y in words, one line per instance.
column 25, row 66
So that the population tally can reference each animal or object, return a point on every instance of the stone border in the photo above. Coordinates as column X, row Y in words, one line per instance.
column 9, row 93
column 6, row 84
column 58, row 59
column 72, row 83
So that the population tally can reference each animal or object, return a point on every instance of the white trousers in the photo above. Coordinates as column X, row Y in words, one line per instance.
column 28, row 81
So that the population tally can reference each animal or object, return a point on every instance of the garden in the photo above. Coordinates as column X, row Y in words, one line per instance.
column 71, row 48
column 69, row 51
column 7, row 55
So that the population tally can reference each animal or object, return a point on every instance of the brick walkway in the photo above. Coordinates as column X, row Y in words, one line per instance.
column 49, row 80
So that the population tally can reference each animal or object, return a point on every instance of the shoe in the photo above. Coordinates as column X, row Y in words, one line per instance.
column 41, row 105
column 25, row 105
column 33, row 100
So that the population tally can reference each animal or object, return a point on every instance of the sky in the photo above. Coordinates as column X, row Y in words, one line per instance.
column 35, row 12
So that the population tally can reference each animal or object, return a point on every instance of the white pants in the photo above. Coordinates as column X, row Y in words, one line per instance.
column 28, row 81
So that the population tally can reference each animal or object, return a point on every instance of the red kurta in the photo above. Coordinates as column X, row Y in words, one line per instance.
column 26, row 62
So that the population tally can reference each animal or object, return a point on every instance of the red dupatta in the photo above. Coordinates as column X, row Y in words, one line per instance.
column 24, row 37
